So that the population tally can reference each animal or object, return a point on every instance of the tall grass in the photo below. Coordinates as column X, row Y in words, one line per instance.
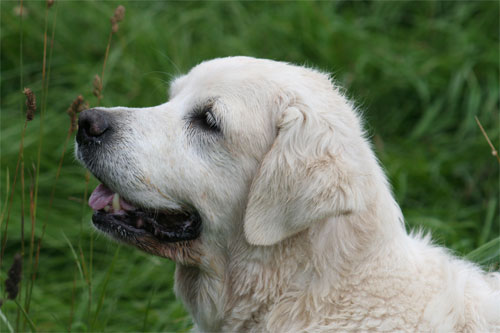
column 419, row 71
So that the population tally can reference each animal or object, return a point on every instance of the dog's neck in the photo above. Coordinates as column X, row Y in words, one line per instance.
column 244, row 279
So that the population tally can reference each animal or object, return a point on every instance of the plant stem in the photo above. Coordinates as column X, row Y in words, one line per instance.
column 42, row 109
column 4, row 238
column 106, row 54
column 34, row 195
column 19, row 157
column 32, row 246
column 73, row 295
column 22, row 238
column 494, row 152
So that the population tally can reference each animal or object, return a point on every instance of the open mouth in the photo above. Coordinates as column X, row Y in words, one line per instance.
column 118, row 218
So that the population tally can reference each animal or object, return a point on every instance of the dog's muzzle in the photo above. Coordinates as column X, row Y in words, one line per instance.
column 152, row 230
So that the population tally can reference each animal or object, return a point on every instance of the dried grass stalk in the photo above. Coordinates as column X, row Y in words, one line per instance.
column 494, row 152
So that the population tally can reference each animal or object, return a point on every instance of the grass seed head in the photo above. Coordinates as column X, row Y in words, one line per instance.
column 50, row 3
column 97, row 86
column 20, row 11
column 14, row 277
column 119, row 13
column 76, row 107
column 118, row 16
column 30, row 103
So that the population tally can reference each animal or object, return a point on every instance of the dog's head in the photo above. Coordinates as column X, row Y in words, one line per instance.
column 243, row 146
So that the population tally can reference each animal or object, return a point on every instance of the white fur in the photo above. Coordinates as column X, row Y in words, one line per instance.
column 300, row 228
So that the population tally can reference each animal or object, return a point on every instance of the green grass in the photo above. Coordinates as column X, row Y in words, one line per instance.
column 419, row 72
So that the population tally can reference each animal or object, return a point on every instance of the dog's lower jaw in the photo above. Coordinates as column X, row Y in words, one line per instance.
column 184, row 253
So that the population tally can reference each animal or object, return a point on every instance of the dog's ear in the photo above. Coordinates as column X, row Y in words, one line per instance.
column 313, row 171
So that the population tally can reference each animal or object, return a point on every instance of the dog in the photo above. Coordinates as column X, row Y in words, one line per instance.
column 257, row 180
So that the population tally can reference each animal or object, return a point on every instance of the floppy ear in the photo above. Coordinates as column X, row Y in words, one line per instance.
column 313, row 171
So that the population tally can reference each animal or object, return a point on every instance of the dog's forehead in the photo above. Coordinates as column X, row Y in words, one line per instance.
column 243, row 65
column 225, row 75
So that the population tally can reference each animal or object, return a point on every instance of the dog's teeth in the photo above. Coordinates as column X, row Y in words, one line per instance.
column 157, row 232
column 139, row 223
column 107, row 208
column 116, row 202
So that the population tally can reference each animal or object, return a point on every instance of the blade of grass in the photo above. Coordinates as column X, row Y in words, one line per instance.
column 42, row 110
column 50, row 54
column 22, row 237
column 72, row 309
column 108, row 46
column 6, row 321
column 103, row 291
column 91, row 257
column 32, row 243
column 57, row 320
column 89, row 283
column 487, row 254
column 146, row 313
column 7, row 189
column 21, row 148
column 21, row 37
column 427, row 119
column 488, row 221
column 26, row 316
column 75, row 257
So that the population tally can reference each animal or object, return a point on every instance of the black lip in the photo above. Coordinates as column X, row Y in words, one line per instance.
column 163, row 227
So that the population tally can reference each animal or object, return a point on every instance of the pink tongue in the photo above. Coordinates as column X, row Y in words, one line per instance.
column 101, row 197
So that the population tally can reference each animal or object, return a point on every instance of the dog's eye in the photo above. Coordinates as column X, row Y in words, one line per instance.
column 206, row 120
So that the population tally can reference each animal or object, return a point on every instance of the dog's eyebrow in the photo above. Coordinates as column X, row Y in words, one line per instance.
column 210, row 102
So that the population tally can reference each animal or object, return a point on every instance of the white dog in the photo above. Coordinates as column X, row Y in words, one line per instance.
column 256, row 179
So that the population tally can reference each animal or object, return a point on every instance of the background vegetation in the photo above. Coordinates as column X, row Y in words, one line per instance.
column 420, row 71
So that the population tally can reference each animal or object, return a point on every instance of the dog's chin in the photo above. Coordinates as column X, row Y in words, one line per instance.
column 169, row 235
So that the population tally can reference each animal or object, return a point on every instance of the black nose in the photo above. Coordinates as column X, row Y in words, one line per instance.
column 92, row 124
